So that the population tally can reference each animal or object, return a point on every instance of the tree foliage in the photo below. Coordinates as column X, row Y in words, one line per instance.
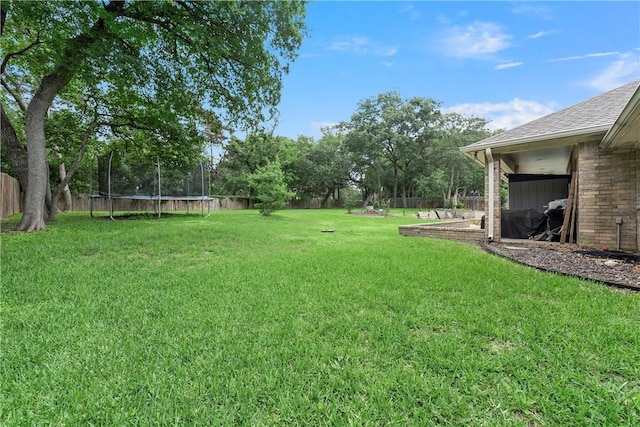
column 243, row 158
column 452, row 173
column 386, row 135
column 320, row 167
column 165, row 69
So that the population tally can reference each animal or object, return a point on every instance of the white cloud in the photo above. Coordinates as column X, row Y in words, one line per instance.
column 539, row 11
column 508, row 65
column 625, row 68
column 476, row 40
column 390, row 51
column 588, row 55
column 411, row 10
column 503, row 115
column 542, row 34
column 361, row 45
column 351, row 44
column 444, row 20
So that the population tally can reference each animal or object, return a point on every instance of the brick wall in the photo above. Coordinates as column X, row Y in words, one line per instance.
column 607, row 189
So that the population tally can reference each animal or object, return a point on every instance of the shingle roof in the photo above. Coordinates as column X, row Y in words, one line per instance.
column 598, row 112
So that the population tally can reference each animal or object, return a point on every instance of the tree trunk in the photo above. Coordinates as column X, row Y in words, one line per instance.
column 404, row 195
column 454, row 203
column 38, row 169
column 456, row 193
column 60, row 189
column 450, row 189
column 34, row 203
column 367, row 200
column 15, row 151
column 66, row 193
column 48, row 195
column 325, row 198
column 395, row 184
column 65, row 175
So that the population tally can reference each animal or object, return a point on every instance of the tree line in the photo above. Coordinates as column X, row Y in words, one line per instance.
column 390, row 149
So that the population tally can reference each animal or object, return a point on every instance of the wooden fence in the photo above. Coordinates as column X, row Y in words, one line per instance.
column 469, row 202
column 10, row 193
column 10, row 203
column 313, row 204
column 81, row 202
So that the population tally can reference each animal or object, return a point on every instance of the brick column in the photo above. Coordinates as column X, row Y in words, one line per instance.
column 637, row 200
column 496, row 199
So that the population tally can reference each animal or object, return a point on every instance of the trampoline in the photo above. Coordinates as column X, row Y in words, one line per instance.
column 121, row 178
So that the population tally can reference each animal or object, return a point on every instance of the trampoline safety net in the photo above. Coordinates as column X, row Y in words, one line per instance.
column 120, row 177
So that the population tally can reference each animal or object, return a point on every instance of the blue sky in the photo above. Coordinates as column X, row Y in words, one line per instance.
column 509, row 62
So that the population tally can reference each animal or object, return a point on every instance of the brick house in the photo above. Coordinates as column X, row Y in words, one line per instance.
column 592, row 146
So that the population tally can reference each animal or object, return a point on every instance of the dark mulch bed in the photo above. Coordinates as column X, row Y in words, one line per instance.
column 613, row 268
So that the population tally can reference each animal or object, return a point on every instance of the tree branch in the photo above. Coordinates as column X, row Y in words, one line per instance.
column 15, row 94
column 22, row 51
column 76, row 163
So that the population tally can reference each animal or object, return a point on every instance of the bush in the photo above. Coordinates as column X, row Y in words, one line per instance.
column 459, row 205
column 352, row 199
column 271, row 188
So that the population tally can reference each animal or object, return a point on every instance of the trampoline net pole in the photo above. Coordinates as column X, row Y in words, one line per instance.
column 109, row 185
column 188, row 181
column 91, row 187
column 202, row 192
column 159, row 189
column 209, row 175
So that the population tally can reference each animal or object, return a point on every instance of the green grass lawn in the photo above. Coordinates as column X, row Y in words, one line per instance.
column 239, row 319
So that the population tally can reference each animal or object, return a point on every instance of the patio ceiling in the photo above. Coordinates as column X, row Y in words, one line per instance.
column 553, row 160
column 545, row 158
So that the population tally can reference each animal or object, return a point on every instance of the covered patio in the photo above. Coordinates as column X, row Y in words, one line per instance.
column 586, row 154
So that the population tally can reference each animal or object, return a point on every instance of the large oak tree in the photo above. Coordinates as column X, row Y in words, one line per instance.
column 321, row 167
column 167, row 68
column 454, row 173
column 388, row 132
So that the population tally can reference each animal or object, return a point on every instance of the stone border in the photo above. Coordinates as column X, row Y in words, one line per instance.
column 458, row 230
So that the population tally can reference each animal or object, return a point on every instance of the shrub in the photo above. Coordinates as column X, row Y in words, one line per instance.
column 352, row 199
column 271, row 188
